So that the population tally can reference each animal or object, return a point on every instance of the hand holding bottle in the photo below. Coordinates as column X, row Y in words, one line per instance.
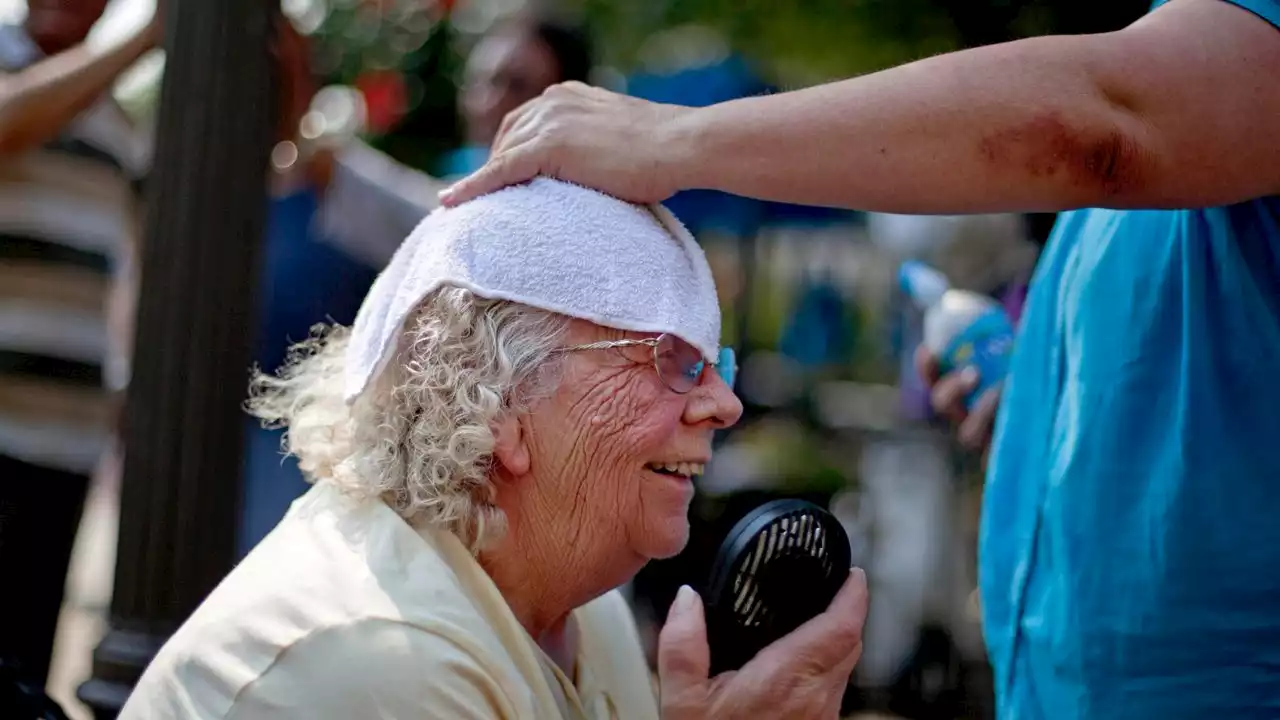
column 968, row 340
column 948, row 393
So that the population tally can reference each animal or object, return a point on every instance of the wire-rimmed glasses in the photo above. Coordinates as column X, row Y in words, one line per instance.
column 678, row 364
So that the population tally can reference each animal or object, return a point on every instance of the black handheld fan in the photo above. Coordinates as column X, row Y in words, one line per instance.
column 780, row 566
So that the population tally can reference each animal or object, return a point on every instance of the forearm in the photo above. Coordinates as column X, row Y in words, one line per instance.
column 40, row 101
column 1016, row 127
column 371, row 202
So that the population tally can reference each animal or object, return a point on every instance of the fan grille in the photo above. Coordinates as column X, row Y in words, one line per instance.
column 798, row 537
column 781, row 565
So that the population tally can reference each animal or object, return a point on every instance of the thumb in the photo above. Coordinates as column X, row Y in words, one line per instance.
column 508, row 167
column 684, row 659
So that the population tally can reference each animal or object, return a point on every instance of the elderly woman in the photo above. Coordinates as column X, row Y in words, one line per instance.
column 508, row 433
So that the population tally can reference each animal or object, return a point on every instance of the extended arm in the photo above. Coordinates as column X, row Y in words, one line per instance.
column 1177, row 110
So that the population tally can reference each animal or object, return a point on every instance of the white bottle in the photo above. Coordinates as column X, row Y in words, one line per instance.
column 962, row 329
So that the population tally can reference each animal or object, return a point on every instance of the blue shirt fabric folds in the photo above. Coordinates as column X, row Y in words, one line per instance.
column 1130, row 538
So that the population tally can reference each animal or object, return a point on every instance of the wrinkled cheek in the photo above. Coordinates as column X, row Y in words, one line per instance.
column 601, row 479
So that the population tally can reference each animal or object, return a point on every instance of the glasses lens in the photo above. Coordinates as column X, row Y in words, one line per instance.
column 679, row 363
column 727, row 366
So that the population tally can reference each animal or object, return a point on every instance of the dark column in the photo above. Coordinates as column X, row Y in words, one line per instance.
column 183, row 429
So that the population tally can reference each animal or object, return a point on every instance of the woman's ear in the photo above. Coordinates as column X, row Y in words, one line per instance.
column 510, row 448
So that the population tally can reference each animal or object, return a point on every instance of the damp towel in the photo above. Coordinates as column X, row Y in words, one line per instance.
column 551, row 245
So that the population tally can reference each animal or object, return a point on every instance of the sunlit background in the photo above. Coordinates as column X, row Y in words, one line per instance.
column 810, row 297
column 122, row 17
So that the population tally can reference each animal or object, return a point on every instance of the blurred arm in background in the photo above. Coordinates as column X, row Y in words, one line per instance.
column 1177, row 110
column 369, row 202
column 39, row 101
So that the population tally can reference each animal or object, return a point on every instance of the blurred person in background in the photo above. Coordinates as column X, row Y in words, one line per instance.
column 508, row 67
column 1129, row 537
column 372, row 200
column 338, row 213
column 70, row 161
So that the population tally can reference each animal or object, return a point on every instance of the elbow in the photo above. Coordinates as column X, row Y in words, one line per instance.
column 1083, row 161
column 13, row 140
column 1114, row 167
column 23, row 126
column 10, row 145
column 1118, row 163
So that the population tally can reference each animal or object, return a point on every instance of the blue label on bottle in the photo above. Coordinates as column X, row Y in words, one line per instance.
column 986, row 346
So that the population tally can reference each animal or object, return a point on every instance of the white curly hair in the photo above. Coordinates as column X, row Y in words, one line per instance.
column 421, row 436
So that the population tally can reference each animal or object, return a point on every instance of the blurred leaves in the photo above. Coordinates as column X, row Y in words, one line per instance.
column 800, row 43
column 363, row 44
column 792, row 43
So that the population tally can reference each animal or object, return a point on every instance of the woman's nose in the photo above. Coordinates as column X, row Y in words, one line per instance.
column 713, row 401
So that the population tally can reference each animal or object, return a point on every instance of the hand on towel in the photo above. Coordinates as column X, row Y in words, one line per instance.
column 623, row 146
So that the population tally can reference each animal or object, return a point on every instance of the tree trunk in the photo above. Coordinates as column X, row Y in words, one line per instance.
column 184, row 425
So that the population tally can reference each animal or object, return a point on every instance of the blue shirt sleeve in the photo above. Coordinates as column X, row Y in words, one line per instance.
column 1268, row 10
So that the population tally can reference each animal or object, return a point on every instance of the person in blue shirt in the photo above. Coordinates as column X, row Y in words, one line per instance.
column 1128, row 553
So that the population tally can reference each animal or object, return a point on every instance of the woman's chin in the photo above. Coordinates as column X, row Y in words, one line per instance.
column 665, row 521
column 672, row 540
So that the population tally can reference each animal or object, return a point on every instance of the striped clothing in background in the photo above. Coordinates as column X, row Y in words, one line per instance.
column 69, row 229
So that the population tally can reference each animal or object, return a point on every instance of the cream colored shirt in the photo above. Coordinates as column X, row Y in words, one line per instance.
column 345, row 612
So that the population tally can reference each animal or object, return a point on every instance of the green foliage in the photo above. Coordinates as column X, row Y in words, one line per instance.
column 431, row 127
column 354, row 39
column 793, row 43
column 801, row 42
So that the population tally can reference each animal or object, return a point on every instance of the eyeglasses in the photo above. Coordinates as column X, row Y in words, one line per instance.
column 678, row 364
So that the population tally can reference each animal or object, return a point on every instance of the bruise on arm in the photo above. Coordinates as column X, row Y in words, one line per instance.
column 1095, row 161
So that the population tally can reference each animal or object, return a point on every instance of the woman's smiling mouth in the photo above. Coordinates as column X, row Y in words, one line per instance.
column 680, row 469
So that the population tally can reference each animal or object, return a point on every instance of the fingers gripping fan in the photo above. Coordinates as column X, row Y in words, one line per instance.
column 780, row 566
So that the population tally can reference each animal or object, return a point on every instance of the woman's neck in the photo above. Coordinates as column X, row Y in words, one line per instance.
column 546, row 565
column 544, row 579
column 529, row 584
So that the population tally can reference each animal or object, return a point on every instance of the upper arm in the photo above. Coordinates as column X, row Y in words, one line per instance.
column 373, row 669
column 1197, row 83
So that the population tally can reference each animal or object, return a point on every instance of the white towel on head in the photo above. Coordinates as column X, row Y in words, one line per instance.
column 551, row 245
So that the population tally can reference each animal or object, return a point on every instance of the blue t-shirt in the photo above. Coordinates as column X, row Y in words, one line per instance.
column 305, row 280
column 1130, row 548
